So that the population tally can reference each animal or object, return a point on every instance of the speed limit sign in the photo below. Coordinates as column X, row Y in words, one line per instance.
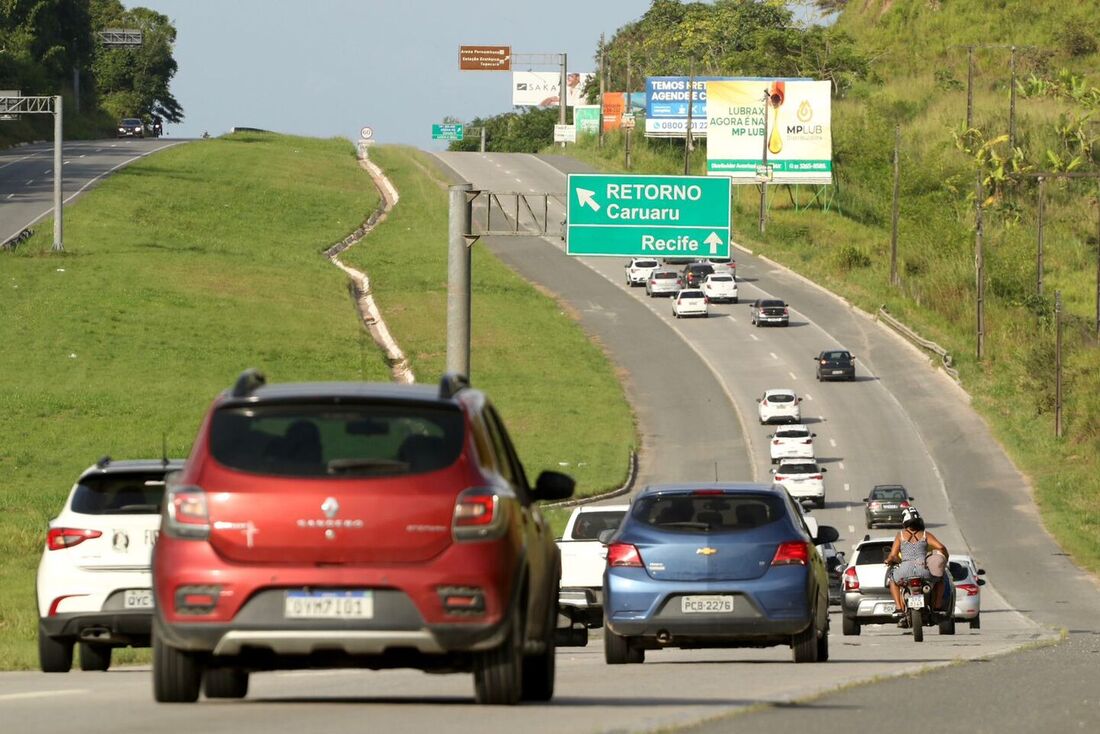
column 366, row 133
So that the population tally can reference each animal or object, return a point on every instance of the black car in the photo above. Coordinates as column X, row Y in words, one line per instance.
column 885, row 504
column 769, row 311
column 130, row 127
column 835, row 364
column 692, row 275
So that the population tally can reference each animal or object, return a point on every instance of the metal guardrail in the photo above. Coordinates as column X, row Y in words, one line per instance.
column 631, row 477
column 920, row 341
column 15, row 240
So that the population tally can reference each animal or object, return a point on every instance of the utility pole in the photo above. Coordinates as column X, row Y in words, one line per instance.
column 687, row 134
column 603, row 86
column 629, row 130
column 1012, row 102
column 1039, row 243
column 894, row 213
column 563, row 93
column 969, row 87
column 58, row 173
column 482, row 138
column 979, row 267
column 458, row 280
column 1058, row 363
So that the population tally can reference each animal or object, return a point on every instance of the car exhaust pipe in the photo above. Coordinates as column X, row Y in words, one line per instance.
column 664, row 637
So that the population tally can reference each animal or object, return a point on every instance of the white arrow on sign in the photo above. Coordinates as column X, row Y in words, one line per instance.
column 584, row 196
column 713, row 240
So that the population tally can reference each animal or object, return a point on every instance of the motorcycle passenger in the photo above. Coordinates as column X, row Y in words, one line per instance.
column 909, row 558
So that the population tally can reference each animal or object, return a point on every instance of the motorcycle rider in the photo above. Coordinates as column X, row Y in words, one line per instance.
column 908, row 558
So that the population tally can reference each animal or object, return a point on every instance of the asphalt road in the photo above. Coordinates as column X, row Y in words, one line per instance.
column 694, row 384
column 26, row 175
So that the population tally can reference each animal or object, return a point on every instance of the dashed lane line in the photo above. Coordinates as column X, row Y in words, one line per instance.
column 42, row 694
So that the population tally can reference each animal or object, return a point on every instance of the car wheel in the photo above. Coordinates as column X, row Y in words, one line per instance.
column 976, row 623
column 820, row 503
column 176, row 674
column 55, row 655
column 850, row 626
column 225, row 683
column 734, row 301
column 823, row 647
column 618, row 650
column 916, row 622
column 94, row 657
column 538, row 670
column 498, row 673
column 947, row 626
column 804, row 644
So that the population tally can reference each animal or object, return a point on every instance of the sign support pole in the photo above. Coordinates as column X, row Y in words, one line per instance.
column 58, row 173
column 894, row 213
column 764, row 164
column 458, row 280
column 603, row 88
column 629, row 96
column 687, row 133
column 563, row 93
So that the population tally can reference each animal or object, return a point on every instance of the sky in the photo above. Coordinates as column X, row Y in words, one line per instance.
column 327, row 68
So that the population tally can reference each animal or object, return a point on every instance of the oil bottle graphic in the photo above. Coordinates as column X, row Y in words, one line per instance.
column 777, row 92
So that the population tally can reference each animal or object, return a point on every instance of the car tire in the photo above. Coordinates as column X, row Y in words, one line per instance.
column 619, row 650
column 733, row 301
column 916, row 622
column 804, row 644
column 849, row 626
column 498, row 673
column 823, row 647
column 177, row 674
column 538, row 670
column 947, row 626
column 225, row 683
column 55, row 655
column 94, row 658
column 820, row 503
column 976, row 623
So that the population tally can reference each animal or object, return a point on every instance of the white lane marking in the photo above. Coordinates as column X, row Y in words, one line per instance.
column 99, row 150
column 31, row 180
column 847, row 508
column 755, row 338
column 11, row 196
column 18, row 160
column 847, row 487
column 43, row 694
column 793, row 375
column 808, row 396
column 47, row 172
column 84, row 154
column 832, row 443
column 851, row 528
column 518, row 179
column 840, row 464
column 774, row 355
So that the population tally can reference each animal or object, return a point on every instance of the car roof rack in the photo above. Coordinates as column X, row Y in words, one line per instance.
column 248, row 381
column 451, row 384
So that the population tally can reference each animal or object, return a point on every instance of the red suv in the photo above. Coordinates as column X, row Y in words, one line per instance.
column 355, row 525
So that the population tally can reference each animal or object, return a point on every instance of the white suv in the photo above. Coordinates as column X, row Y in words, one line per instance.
column 639, row 269
column 94, row 584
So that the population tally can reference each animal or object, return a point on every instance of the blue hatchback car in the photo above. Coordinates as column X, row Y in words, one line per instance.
column 715, row 565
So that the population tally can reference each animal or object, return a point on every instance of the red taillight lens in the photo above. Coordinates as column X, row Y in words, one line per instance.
column 479, row 514
column 764, row 401
column 916, row 583
column 473, row 511
column 188, row 513
column 904, row 504
column 779, row 477
column 623, row 555
column 970, row 589
column 793, row 553
column 707, row 492
column 785, row 312
column 851, row 580
column 61, row 538
column 817, row 476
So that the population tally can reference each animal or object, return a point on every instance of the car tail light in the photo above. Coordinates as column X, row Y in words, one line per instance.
column 187, row 514
column 970, row 589
column 61, row 538
column 462, row 600
column 779, row 477
column 479, row 515
column 706, row 299
column 817, row 476
column 623, row 555
column 875, row 506
column 851, row 579
column 904, row 504
column 764, row 401
column 57, row 602
column 792, row 553
column 786, row 312
column 707, row 492
column 775, row 442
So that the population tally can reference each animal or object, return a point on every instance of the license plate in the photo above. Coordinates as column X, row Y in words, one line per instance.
column 916, row 602
column 838, row 372
column 706, row 604
column 137, row 599
column 328, row 605
column 885, row 608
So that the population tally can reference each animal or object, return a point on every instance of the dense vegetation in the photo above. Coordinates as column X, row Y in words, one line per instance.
column 44, row 43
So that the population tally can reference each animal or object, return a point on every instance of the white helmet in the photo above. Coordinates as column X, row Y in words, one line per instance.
column 910, row 516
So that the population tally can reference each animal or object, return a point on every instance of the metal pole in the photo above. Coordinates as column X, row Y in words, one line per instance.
column 1012, row 103
column 1039, row 243
column 563, row 94
column 764, row 166
column 58, row 174
column 458, row 280
column 979, row 267
column 1098, row 265
column 629, row 130
column 1058, row 363
column 687, row 133
column 894, row 214
column 603, row 87
column 482, row 138
column 969, row 87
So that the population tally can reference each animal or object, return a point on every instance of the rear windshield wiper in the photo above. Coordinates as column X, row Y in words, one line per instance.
column 341, row 466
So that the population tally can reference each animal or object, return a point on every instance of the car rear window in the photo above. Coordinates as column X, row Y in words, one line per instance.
column 792, row 433
column 131, row 121
column 589, row 525
column 707, row 514
column 868, row 555
column 837, row 356
column 797, row 469
column 337, row 440
column 120, row 494
column 770, row 304
column 889, row 494
column 721, row 279
column 692, row 294
column 665, row 275
column 645, row 263
column 780, row 398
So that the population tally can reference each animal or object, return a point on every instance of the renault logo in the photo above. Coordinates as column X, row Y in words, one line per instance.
column 706, row 551
column 330, row 507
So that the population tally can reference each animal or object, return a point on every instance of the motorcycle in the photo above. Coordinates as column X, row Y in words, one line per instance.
column 919, row 597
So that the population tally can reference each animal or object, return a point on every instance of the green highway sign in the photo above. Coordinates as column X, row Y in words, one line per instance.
column 648, row 216
column 447, row 131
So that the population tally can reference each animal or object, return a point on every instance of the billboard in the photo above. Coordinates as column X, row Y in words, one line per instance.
column 666, row 106
column 798, row 122
column 616, row 104
column 587, row 119
column 540, row 88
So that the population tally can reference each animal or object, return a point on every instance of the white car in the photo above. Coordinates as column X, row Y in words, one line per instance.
column 720, row 287
column 94, row 583
column 802, row 479
column 779, row 406
column 639, row 269
column 723, row 264
column 792, row 442
column 690, row 302
column 968, row 589
column 583, row 560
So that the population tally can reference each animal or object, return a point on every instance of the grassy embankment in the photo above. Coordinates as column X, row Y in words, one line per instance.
column 846, row 249
column 181, row 270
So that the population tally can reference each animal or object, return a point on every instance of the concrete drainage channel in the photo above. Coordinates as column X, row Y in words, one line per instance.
column 359, row 284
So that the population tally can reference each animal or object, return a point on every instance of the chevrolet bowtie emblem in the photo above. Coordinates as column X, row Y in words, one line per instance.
column 706, row 551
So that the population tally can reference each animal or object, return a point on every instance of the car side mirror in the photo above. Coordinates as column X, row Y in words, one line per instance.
column 826, row 534
column 981, row 582
column 799, row 400
column 981, row 572
column 605, row 536
column 553, row 485
column 823, row 470
column 772, row 471
column 912, row 499
column 758, row 400
column 813, row 435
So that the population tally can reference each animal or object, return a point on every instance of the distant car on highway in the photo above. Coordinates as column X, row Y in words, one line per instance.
column 804, row 480
column 639, row 269
column 723, row 264
column 663, row 282
column 693, row 274
column 583, row 558
column 885, row 504
column 715, row 565
column 779, row 406
column 792, row 442
column 130, row 127
column 968, row 589
column 94, row 585
column 355, row 523
column 835, row 364
column 720, row 288
column 770, row 311
column 690, row 302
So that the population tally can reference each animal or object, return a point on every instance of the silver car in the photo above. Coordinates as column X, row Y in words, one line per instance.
column 663, row 282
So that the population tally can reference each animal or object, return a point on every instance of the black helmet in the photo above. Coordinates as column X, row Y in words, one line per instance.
column 910, row 518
